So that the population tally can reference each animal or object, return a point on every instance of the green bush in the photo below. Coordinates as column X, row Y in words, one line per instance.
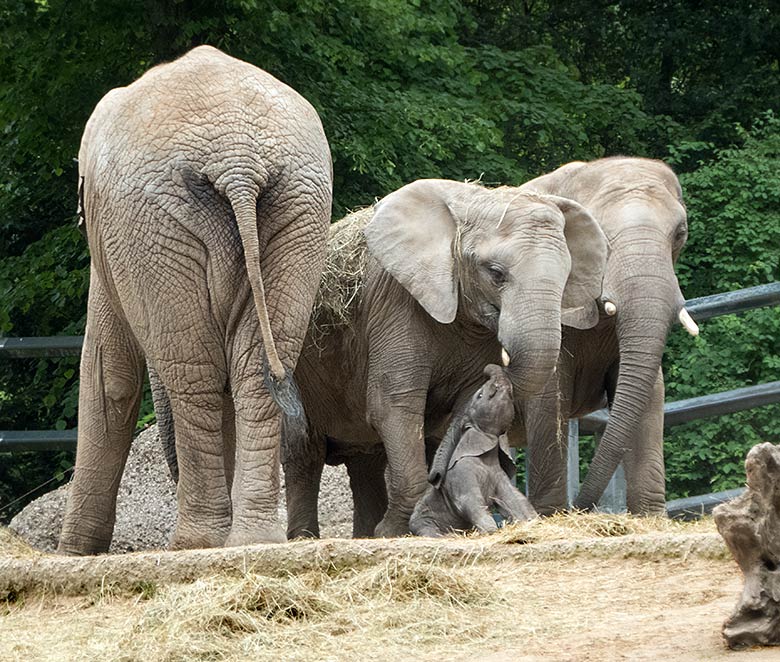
column 733, row 206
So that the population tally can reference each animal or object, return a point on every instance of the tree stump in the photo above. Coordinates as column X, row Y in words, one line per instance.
column 750, row 525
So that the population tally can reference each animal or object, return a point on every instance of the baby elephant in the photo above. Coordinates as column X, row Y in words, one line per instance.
column 472, row 470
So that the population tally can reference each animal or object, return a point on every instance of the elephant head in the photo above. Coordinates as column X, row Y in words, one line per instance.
column 638, row 203
column 514, row 263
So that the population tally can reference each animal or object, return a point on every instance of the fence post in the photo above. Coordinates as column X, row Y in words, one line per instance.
column 573, row 462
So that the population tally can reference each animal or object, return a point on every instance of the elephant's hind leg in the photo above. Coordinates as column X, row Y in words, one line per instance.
column 112, row 368
column 302, row 475
column 196, row 390
column 369, row 493
column 258, row 421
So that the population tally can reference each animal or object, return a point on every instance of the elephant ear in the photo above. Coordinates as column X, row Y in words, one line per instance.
column 588, row 249
column 412, row 234
column 473, row 443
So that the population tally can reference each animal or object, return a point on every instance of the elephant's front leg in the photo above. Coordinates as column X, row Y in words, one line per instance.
column 644, row 460
column 396, row 413
column 369, row 494
column 546, row 418
column 464, row 489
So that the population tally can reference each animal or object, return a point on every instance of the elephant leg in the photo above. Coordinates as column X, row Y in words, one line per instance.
column 401, row 430
column 644, row 461
column 109, row 397
column 464, row 491
column 369, row 494
column 302, row 475
column 546, row 418
column 511, row 504
column 258, row 421
column 164, row 415
column 229, row 438
column 202, row 492
column 292, row 230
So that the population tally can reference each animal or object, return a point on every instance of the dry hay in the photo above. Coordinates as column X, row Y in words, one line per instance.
column 342, row 276
column 584, row 526
column 11, row 545
column 444, row 606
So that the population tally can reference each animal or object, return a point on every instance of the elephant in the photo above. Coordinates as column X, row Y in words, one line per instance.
column 446, row 277
column 473, row 470
column 638, row 204
column 206, row 190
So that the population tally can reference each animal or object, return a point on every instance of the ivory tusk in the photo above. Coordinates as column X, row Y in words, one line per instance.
column 504, row 357
column 687, row 321
column 610, row 308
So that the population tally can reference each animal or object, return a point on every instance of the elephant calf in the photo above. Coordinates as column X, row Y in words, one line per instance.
column 472, row 470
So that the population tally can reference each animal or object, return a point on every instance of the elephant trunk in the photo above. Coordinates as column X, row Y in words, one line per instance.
column 647, row 301
column 530, row 332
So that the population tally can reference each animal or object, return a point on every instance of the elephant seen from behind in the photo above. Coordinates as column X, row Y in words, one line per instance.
column 206, row 195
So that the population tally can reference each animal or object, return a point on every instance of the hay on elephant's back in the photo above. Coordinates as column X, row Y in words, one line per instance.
column 342, row 279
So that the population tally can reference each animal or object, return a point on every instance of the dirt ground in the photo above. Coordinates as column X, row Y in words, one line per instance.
column 619, row 594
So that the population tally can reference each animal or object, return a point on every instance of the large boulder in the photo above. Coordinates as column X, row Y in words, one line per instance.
column 146, row 504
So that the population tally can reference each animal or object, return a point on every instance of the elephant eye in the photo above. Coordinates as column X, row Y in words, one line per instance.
column 681, row 234
column 496, row 274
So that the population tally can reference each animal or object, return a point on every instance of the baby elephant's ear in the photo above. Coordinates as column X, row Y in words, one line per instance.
column 473, row 443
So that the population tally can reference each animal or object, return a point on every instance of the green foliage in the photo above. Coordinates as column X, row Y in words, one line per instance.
column 734, row 225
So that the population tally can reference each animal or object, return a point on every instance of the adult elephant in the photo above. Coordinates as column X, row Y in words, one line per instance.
column 206, row 192
column 638, row 204
column 435, row 280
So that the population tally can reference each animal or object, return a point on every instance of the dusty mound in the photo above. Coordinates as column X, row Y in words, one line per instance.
column 146, row 504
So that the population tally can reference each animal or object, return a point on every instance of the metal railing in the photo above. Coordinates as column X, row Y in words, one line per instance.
column 675, row 413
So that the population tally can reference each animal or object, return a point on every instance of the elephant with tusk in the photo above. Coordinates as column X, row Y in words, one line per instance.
column 638, row 204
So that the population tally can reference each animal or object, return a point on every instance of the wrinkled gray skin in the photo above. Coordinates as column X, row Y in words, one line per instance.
column 638, row 203
column 455, row 271
column 199, row 177
column 472, row 471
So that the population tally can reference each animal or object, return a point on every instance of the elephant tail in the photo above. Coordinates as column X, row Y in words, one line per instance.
column 279, row 382
column 243, row 199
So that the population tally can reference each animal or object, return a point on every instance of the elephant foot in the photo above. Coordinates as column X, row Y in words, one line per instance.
column 302, row 532
column 271, row 534
column 191, row 538
column 392, row 526
column 77, row 547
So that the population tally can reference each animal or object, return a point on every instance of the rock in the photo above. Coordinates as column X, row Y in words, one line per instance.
column 750, row 525
column 146, row 504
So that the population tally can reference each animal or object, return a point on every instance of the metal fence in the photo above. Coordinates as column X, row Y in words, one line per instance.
column 675, row 413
